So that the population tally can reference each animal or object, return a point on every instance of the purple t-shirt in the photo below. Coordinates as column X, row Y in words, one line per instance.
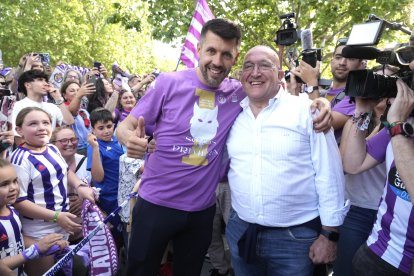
column 392, row 236
column 120, row 115
column 345, row 108
column 191, row 122
column 332, row 93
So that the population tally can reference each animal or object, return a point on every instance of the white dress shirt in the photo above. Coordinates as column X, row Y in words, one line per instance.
column 283, row 173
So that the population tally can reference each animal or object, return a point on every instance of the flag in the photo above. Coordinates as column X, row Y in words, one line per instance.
column 202, row 14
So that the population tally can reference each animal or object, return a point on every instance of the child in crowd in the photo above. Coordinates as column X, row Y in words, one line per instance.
column 104, row 152
column 43, row 178
column 12, row 251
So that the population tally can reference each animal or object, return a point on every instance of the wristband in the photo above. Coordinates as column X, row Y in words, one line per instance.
column 52, row 250
column 55, row 217
column 31, row 253
column 362, row 120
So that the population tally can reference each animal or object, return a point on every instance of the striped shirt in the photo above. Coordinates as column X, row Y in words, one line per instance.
column 42, row 177
column 11, row 239
column 392, row 237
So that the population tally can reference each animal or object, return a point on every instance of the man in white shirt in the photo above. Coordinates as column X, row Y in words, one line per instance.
column 286, row 180
column 34, row 84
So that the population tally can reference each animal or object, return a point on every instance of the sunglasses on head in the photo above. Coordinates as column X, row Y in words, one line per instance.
column 342, row 41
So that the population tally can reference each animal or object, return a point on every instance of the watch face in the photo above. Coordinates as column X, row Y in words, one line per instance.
column 334, row 236
column 408, row 129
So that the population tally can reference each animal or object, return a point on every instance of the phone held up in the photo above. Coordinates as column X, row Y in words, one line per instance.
column 97, row 64
column 92, row 79
column 45, row 58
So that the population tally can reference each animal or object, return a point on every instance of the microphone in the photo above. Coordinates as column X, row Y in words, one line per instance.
column 306, row 39
column 360, row 52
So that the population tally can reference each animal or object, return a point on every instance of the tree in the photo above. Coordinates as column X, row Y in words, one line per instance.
column 259, row 20
column 78, row 32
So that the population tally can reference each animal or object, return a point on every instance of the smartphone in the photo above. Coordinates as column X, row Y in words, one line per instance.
column 4, row 92
column 45, row 58
column 97, row 64
column 92, row 80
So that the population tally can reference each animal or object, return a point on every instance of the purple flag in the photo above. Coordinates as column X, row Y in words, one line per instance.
column 202, row 14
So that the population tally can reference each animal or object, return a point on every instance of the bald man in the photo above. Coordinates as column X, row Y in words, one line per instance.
column 286, row 180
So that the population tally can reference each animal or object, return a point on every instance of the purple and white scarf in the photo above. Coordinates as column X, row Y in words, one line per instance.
column 102, row 249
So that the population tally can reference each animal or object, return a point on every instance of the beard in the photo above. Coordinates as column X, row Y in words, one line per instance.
column 213, row 82
column 339, row 78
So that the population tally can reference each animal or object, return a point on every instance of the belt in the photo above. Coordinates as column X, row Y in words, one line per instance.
column 248, row 241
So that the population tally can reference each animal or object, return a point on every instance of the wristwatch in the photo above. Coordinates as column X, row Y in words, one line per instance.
column 403, row 128
column 330, row 235
column 310, row 89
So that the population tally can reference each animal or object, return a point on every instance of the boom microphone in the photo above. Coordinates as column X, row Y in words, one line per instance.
column 306, row 38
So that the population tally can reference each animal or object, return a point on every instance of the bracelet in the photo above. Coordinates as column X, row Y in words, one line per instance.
column 362, row 120
column 31, row 253
column 55, row 217
column 390, row 125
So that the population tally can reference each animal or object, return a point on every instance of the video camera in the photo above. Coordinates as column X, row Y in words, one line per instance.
column 366, row 83
column 288, row 35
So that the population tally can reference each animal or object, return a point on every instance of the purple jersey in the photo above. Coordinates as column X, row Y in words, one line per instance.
column 42, row 177
column 191, row 123
column 11, row 238
column 392, row 237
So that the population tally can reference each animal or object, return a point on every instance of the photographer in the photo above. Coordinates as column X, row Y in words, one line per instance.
column 309, row 75
column 388, row 250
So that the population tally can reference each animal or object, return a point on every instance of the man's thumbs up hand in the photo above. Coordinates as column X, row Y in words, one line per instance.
column 137, row 144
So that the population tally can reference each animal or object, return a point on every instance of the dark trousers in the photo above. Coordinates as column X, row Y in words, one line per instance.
column 367, row 263
column 153, row 226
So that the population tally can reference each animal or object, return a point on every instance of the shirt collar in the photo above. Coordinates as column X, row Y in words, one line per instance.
column 245, row 102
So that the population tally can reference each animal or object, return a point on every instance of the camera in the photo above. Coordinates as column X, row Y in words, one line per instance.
column 370, row 85
column 366, row 83
column 287, row 34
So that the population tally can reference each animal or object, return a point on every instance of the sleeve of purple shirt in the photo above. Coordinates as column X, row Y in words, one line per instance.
column 377, row 145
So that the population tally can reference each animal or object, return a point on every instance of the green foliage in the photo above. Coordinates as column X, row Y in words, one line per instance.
column 78, row 32
column 259, row 20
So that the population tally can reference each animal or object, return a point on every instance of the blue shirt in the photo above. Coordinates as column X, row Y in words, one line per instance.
column 110, row 153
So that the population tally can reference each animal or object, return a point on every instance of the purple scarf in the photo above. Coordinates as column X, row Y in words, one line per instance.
column 103, row 253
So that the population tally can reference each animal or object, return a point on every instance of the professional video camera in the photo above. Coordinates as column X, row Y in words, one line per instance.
column 366, row 83
column 288, row 35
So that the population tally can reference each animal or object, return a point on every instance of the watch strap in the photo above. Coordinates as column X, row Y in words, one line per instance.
column 311, row 89
column 330, row 235
column 399, row 127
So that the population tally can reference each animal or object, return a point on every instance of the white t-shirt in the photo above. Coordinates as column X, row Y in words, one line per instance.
column 52, row 109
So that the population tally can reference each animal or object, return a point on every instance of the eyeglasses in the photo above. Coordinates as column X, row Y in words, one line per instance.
column 262, row 67
column 66, row 141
